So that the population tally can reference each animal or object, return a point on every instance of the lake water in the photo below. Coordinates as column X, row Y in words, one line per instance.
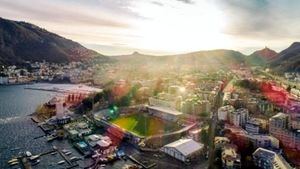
column 16, row 128
column 18, row 131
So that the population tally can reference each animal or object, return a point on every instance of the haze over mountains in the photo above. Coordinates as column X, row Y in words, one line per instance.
column 209, row 59
column 288, row 59
column 261, row 57
column 20, row 42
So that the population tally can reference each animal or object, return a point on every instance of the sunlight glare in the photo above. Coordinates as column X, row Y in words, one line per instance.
column 167, row 29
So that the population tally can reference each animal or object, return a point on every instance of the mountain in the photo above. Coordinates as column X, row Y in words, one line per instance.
column 288, row 59
column 261, row 57
column 21, row 41
column 211, row 59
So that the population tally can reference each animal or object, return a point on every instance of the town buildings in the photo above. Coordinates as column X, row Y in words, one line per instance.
column 239, row 117
column 256, row 126
column 267, row 159
column 74, row 72
column 223, row 112
column 265, row 141
column 230, row 157
column 281, row 127
column 220, row 142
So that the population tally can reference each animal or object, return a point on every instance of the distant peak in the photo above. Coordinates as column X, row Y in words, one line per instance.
column 136, row 53
column 267, row 49
column 295, row 44
column 266, row 53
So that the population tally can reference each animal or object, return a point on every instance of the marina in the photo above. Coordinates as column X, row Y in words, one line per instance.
column 43, row 149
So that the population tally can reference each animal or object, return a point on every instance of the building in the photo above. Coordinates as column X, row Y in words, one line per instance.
column 201, row 106
column 223, row 112
column 281, row 128
column 230, row 158
column 82, row 147
column 265, row 106
column 93, row 139
column 239, row 117
column 161, row 102
column 195, row 134
column 267, row 159
column 252, row 105
column 183, row 149
column 295, row 123
column 73, row 134
column 77, row 130
column 164, row 113
column 3, row 80
column 195, row 106
column 253, row 126
column 264, row 141
column 220, row 142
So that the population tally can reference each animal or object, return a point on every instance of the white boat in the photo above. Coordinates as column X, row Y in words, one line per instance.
column 28, row 153
column 64, row 150
column 14, row 163
column 12, row 160
column 34, row 157
column 35, row 162
column 51, row 138
column 68, row 153
column 61, row 162
column 74, row 158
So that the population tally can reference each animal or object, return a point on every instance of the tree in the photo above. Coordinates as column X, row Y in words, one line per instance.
column 158, row 87
column 107, row 94
column 204, row 114
column 289, row 88
column 98, row 97
column 124, row 101
column 204, row 136
column 87, row 103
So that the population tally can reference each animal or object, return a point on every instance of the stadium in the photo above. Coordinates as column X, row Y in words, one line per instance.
column 143, row 124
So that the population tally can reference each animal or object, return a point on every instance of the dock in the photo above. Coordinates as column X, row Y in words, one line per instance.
column 47, row 152
column 24, row 163
column 142, row 164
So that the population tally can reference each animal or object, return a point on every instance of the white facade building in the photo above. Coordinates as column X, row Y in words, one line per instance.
column 224, row 111
column 183, row 149
column 267, row 159
column 264, row 141
column 164, row 113
column 239, row 117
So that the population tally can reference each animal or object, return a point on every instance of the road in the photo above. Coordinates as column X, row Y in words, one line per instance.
column 212, row 129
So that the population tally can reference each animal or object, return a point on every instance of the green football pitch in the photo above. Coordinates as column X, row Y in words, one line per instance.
column 143, row 124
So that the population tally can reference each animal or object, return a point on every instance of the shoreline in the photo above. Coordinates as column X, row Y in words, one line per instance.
column 15, row 84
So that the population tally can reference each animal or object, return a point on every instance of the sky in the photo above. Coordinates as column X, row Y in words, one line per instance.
column 115, row 27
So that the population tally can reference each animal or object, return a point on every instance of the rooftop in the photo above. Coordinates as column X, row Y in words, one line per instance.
column 229, row 151
column 227, row 108
column 186, row 146
column 276, row 159
column 279, row 116
column 166, row 110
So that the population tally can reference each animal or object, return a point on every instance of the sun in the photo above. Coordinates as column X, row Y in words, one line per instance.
column 181, row 28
